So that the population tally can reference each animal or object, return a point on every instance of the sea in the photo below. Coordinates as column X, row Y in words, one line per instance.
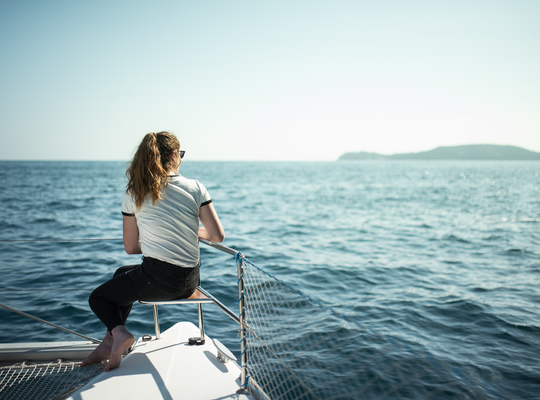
column 442, row 256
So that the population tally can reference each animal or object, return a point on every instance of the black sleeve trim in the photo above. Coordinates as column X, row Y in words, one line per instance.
column 127, row 214
column 206, row 203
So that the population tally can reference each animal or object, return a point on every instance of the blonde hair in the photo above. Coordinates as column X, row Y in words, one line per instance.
column 149, row 169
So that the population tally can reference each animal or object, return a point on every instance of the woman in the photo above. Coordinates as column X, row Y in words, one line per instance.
column 161, row 212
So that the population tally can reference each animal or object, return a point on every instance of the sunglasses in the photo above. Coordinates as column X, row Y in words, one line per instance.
column 182, row 153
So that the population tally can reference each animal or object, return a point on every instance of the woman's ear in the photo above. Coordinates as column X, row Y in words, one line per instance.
column 175, row 158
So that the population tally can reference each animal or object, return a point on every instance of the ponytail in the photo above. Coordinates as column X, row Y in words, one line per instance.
column 149, row 169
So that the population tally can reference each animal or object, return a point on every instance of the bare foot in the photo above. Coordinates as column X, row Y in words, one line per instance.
column 100, row 353
column 122, row 341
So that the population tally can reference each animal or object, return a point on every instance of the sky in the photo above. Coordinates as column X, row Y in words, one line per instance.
column 304, row 80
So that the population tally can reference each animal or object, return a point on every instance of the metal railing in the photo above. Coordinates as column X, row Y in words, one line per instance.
column 241, row 318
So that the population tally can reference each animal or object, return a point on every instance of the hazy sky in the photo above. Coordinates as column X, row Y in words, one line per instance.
column 266, row 80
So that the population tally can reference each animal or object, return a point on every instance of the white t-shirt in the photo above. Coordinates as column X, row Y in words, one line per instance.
column 169, row 230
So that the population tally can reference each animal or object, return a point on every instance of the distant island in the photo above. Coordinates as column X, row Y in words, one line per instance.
column 465, row 152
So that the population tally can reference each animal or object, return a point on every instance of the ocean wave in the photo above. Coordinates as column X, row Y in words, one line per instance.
column 522, row 253
column 455, row 238
column 532, row 220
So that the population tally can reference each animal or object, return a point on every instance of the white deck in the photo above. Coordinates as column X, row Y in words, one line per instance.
column 168, row 368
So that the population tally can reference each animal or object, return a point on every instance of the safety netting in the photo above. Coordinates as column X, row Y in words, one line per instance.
column 300, row 348
column 44, row 381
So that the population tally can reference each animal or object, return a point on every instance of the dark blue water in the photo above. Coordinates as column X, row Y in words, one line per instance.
column 441, row 255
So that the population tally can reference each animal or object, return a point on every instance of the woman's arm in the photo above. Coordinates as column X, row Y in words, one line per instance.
column 212, row 229
column 131, row 235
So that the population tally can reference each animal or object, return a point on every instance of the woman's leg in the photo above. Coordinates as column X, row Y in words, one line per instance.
column 102, row 301
column 125, row 310
column 112, row 301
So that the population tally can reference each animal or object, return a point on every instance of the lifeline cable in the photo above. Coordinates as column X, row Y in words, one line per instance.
column 59, row 240
column 50, row 323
